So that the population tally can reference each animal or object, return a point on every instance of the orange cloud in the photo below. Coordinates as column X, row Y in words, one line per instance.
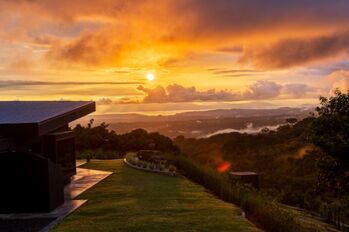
column 293, row 52
column 339, row 80
column 92, row 48
column 50, row 40
column 109, row 32
column 257, row 91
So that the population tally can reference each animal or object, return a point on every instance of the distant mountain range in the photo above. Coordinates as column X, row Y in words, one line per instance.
column 201, row 123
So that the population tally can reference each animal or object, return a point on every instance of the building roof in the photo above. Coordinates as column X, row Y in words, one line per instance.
column 243, row 173
column 40, row 117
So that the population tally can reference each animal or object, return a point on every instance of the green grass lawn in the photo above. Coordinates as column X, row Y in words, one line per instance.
column 132, row 200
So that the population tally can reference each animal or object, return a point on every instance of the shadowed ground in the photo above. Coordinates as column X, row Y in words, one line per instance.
column 131, row 200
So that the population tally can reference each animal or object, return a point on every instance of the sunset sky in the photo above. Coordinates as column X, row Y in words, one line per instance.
column 165, row 56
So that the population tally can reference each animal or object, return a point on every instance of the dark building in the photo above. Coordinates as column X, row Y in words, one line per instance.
column 37, row 153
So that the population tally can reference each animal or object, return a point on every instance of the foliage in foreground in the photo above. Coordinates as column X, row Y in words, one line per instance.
column 271, row 215
column 303, row 164
column 330, row 132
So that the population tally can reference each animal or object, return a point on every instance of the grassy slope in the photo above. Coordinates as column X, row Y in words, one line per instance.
column 131, row 200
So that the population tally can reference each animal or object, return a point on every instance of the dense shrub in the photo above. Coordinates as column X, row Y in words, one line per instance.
column 291, row 169
column 271, row 215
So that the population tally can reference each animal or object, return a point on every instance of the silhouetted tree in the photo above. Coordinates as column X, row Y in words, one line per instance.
column 330, row 132
column 105, row 143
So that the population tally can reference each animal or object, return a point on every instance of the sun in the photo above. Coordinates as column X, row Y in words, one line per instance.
column 150, row 76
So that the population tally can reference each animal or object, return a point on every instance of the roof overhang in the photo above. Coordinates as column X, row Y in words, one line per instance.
column 43, row 126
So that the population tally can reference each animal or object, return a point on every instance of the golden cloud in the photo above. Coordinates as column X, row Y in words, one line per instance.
column 257, row 91
column 295, row 52
column 139, row 33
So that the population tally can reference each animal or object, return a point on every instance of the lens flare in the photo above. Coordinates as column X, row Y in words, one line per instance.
column 223, row 167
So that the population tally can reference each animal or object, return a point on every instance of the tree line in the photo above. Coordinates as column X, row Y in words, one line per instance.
column 101, row 143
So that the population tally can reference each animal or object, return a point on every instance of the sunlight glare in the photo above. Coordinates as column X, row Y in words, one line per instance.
column 150, row 76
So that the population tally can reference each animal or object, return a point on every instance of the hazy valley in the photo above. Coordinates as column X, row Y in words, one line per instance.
column 198, row 124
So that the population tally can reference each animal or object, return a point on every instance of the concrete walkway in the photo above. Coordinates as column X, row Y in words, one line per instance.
column 83, row 180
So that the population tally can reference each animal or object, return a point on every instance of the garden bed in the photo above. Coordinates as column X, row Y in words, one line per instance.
column 134, row 161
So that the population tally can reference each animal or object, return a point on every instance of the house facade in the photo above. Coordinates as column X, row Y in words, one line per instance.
column 37, row 153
